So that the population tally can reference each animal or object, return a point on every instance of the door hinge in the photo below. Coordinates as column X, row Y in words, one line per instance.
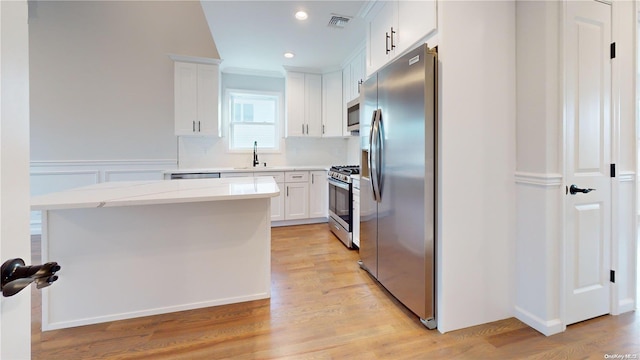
column 613, row 50
column 612, row 276
column 612, row 170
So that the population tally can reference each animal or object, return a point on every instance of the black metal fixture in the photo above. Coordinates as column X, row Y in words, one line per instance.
column 574, row 190
column 16, row 275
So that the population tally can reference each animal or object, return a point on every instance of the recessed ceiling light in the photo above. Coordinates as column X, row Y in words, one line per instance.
column 301, row 15
column 289, row 55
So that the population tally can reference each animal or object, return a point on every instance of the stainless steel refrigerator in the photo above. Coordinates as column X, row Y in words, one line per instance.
column 398, row 180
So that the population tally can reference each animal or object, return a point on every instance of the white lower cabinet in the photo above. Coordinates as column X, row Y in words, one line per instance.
column 296, row 195
column 318, row 194
column 303, row 194
column 296, row 202
column 356, row 216
column 277, row 203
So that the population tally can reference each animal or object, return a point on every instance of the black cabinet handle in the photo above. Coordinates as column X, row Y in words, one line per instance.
column 386, row 42
column 392, row 45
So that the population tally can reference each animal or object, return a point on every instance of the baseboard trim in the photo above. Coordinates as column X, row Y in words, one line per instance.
column 626, row 305
column 546, row 327
column 298, row 222
column 46, row 325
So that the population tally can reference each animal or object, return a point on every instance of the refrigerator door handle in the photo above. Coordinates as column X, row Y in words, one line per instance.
column 380, row 155
column 375, row 149
column 370, row 155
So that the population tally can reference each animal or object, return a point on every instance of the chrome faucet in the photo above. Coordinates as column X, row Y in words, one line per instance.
column 255, row 154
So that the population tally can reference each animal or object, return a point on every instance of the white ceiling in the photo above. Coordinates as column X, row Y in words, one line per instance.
column 254, row 35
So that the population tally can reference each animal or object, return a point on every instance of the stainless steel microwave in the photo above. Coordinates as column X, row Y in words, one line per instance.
column 353, row 115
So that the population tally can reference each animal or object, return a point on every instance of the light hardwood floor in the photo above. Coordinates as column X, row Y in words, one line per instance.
column 322, row 306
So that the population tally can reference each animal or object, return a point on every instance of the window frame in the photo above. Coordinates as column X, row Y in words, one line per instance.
column 278, row 124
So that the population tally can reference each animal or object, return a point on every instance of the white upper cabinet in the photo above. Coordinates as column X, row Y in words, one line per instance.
column 396, row 26
column 358, row 75
column 304, row 104
column 295, row 104
column 332, row 104
column 314, row 104
column 353, row 75
column 196, row 97
column 382, row 28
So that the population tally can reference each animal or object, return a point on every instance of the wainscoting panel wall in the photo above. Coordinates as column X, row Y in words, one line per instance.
column 51, row 176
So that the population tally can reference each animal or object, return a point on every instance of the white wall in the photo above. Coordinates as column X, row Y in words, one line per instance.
column 477, row 162
column 101, row 80
column 15, row 311
column 539, row 166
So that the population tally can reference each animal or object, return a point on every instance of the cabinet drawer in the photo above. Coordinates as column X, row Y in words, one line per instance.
column 278, row 176
column 296, row 176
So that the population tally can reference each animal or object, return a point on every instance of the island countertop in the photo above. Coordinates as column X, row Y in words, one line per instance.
column 131, row 193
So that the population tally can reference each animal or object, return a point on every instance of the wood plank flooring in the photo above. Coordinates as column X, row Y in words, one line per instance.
column 322, row 306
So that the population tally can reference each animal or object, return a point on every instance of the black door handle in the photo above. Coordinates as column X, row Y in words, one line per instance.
column 574, row 190
column 16, row 276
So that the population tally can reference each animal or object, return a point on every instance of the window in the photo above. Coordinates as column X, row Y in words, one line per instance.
column 253, row 116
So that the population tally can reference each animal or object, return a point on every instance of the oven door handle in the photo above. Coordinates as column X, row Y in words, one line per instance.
column 339, row 184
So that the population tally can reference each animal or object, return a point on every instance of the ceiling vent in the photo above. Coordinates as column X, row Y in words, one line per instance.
column 338, row 21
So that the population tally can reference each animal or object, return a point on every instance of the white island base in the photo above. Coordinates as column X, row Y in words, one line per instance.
column 122, row 261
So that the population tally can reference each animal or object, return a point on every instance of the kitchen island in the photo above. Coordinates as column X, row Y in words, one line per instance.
column 138, row 248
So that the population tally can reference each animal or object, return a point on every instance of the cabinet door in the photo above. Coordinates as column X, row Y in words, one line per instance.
column 416, row 19
column 207, row 100
column 356, row 218
column 296, row 202
column 318, row 194
column 377, row 42
column 295, row 104
column 346, row 94
column 313, row 104
column 332, row 104
column 185, row 97
column 357, row 74
column 277, row 204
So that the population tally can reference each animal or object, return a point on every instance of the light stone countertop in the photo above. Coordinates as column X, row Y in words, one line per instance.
column 247, row 169
column 131, row 193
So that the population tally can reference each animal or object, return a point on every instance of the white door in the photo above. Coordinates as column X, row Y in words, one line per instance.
column 15, row 311
column 588, row 158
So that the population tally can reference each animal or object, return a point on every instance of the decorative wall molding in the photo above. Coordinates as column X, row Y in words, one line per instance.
column 195, row 59
column 101, row 163
column 626, row 176
column 538, row 179
column 52, row 176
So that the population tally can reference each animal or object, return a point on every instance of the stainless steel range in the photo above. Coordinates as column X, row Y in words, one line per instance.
column 341, row 202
